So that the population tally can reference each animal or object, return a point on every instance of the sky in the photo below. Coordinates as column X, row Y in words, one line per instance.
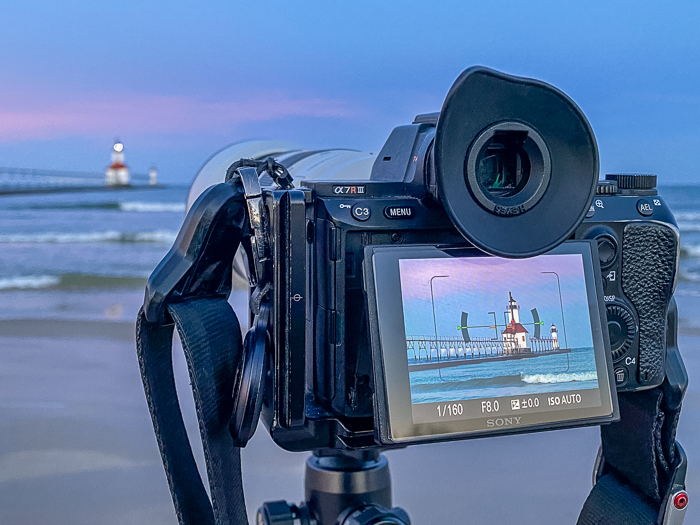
column 176, row 81
column 481, row 285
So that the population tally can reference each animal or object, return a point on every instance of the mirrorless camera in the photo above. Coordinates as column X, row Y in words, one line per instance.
column 473, row 278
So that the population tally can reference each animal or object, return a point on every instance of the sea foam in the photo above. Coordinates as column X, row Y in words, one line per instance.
column 179, row 207
column 29, row 282
column 558, row 378
column 156, row 236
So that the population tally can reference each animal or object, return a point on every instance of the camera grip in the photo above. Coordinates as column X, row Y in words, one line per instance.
column 649, row 257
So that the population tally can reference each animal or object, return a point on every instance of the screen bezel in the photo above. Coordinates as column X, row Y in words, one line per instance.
column 393, row 407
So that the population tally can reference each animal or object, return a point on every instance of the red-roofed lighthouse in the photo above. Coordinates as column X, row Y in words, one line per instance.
column 515, row 335
column 117, row 172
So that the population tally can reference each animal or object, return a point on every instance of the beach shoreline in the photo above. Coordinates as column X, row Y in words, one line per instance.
column 77, row 445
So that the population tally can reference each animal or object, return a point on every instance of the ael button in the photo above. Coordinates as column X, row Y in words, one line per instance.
column 644, row 207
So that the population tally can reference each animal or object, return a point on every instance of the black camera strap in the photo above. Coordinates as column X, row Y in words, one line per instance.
column 641, row 467
column 189, row 290
column 211, row 340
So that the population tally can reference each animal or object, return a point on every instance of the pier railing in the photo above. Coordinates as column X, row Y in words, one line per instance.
column 430, row 349
column 28, row 180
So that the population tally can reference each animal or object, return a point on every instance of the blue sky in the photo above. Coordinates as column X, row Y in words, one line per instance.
column 176, row 81
column 480, row 285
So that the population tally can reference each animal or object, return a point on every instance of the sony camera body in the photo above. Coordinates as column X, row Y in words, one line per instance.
column 322, row 388
column 507, row 171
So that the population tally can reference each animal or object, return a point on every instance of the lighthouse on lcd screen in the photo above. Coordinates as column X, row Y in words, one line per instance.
column 515, row 336
column 117, row 172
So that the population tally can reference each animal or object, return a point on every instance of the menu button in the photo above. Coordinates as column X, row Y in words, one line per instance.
column 399, row 212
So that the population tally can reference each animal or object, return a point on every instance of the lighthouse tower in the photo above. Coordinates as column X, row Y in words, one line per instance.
column 555, row 337
column 515, row 335
column 117, row 172
column 513, row 309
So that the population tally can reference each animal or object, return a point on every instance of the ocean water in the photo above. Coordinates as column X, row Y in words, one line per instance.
column 684, row 201
column 105, row 239
column 111, row 239
column 537, row 375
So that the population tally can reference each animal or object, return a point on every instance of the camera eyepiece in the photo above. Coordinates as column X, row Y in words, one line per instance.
column 516, row 163
column 508, row 166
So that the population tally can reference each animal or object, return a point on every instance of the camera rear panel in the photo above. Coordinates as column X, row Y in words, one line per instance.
column 638, row 245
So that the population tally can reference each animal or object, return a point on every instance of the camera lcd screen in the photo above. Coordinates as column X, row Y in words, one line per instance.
column 475, row 344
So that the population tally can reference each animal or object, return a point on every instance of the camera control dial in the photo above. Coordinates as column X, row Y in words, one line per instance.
column 632, row 181
column 606, row 187
column 621, row 328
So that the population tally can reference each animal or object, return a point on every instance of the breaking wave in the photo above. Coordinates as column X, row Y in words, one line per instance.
column 69, row 281
column 690, row 250
column 135, row 206
column 479, row 382
column 504, row 381
column 179, row 207
column 156, row 236
column 29, row 282
column 558, row 378
column 687, row 215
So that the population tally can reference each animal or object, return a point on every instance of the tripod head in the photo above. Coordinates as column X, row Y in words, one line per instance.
column 347, row 488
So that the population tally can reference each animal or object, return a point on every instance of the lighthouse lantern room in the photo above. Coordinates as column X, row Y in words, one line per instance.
column 117, row 172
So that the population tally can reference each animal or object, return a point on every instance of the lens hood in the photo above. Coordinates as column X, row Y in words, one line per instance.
column 516, row 162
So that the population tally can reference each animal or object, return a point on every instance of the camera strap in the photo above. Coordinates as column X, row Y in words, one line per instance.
column 639, row 466
column 640, row 473
column 211, row 340
column 189, row 291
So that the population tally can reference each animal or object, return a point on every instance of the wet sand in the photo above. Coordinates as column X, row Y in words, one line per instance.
column 77, row 446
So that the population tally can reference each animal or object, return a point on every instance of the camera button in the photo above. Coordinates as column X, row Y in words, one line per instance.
column 361, row 212
column 399, row 212
column 620, row 376
column 607, row 250
column 644, row 207
column 591, row 212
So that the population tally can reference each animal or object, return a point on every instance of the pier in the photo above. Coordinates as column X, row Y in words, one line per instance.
column 18, row 181
column 429, row 353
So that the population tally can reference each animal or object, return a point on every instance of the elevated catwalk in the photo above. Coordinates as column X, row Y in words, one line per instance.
column 426, row 353
column 19, row 181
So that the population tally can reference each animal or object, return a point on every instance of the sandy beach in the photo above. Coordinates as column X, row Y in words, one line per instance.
column 77, row 446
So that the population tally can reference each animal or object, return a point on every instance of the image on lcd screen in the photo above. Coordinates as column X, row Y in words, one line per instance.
column 485, row 327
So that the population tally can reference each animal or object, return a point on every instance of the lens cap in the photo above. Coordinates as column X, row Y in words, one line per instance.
column 516, row 162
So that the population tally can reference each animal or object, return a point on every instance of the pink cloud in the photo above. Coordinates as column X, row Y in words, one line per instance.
column 124, row 113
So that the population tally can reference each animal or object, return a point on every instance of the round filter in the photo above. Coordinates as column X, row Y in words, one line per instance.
column 516, row 163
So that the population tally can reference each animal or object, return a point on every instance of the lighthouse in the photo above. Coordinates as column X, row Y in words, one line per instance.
column 515, row 335
column 555, row 337
column 117, row 172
